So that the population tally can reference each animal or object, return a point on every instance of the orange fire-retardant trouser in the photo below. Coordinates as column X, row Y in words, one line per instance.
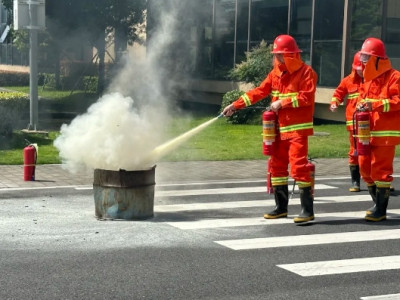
column 353, row 159
column 292, row 151
column 378, row 167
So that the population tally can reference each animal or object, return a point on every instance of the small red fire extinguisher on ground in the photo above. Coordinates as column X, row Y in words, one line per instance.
column 361, row 132
column 269, row 132
column 30, row 157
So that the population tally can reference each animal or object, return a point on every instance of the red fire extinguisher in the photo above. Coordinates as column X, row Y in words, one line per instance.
column 361, row 132
column 30, row 157
column 269, row 132
column 311, row 167
column 270, row 189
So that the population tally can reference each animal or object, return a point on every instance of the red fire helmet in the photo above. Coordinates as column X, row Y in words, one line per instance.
column 357, row 64
column 373, row 46
column 285, row 44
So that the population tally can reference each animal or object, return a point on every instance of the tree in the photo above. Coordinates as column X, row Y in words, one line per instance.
column 91, row 22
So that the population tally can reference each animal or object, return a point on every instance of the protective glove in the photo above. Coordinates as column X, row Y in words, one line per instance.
column 229, row 110
column 333, row 107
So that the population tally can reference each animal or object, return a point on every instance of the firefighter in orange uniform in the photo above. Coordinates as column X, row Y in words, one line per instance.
column 291, row 85
column 380, row 95
column 349, row 86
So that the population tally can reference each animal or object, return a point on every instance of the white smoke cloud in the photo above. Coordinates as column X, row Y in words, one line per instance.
column 121, row 129
column 112, row 135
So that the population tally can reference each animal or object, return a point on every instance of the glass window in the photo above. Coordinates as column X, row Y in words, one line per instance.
column 327, row 46
column 300, row 25
column 224, row 36
column 242, row 30
column 392, row 34
column 366, row 22
column 268, row 20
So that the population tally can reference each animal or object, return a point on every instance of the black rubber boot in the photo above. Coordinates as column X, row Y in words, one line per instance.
column 281, row 194
column 307, row 206
column 355, row 178
column 382, row 200
column 372, row 192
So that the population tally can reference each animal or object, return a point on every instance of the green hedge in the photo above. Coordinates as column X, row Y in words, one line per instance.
column 12, row 106
column 13, row 78
column 85, row 83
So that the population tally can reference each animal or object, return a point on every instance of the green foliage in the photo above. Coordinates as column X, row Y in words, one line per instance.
column 257, row 65
column 14, row 78
column 12, row 106
column 85, row 83
column 248, row 115
column 253, row 70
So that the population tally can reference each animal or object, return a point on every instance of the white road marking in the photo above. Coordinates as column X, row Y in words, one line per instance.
column 257, row 221
column 311, row 239
column 330, row 267
column 254, row 203
column 386, row 297
column 237, row 190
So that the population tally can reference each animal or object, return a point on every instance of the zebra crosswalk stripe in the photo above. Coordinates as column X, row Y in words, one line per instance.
column 257, row 221
column 382, row 297
column 354, row 265
column 253, row 203
column 220, row 191
column 311, row 239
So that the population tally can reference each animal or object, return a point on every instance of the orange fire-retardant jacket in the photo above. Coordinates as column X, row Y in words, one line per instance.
column 349, row 86
column 295, row 86
column 382, row 89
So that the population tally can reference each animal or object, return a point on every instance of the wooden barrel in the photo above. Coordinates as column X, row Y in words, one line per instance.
column 127, row 195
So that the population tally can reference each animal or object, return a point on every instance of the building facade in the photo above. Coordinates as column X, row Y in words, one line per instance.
column 219, row 32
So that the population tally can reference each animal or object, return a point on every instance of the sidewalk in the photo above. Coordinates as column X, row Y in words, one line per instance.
column 169, row 172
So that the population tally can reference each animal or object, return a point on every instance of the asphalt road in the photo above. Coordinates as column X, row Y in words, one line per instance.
column 207, row 240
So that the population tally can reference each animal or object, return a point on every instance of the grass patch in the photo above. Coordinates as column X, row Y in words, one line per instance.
column 219, row 141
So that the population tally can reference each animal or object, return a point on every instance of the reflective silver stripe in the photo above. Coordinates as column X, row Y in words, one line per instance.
column 296, row 127
column 383, row 184
column 383, row 133
column 349, row 123
column 279, row 180
column 246, row 100
column 295, row 102
column 353, row 95
column 303, row 184
column 386, row 105
column 275, row 93
column 287, row 95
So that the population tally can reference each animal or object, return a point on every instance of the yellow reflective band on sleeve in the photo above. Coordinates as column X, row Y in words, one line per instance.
column 370, row 100
column 383, row 133
column 382, row 184
column 295, row 102
column 386, row 105
column 349, row 123
column 353, row 95
column 296, row 127
column 334, row 99
column 287, row 95
column 246, row 100
column 275, row 93
column 279, row 180
column 303, row 184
